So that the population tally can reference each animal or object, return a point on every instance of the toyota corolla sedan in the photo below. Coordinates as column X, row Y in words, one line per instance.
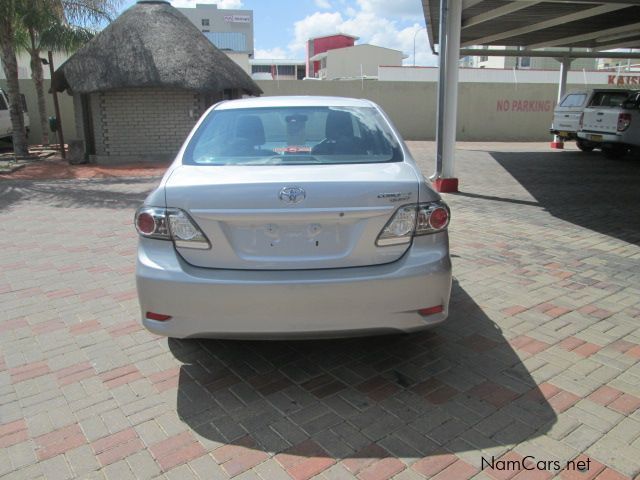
column 292, row 217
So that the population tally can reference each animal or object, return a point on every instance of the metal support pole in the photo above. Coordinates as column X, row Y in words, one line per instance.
column 449, row 53
column 442, row 78
column 565, row 65
column 56, row 107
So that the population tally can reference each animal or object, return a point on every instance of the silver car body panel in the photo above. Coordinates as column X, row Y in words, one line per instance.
column 293, row 303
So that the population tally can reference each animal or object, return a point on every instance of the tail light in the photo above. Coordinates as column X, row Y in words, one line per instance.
column 581, row 121
column 170, row 224
column 624, row 120
column 415, row 219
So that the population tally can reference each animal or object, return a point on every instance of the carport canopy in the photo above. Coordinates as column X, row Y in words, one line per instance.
column 570, row 28
column 593, row 24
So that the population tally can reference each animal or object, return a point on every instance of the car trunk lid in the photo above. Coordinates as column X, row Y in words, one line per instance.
column 293, row 216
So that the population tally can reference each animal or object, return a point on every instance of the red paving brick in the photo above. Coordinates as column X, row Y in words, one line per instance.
column 310, row 467
column 605, row 395
column 120, row 376
column 434, row 464
column 516, row 309
column 75, row 373
column 29, row 371
column 459, row 470
column 587, row 349
column 495, row 394
column 563, row 401
column 59, row 441
column 176, row 450
column 115, row 447
column 246, row 461
column 382, row 470
column 625, row 404
column 12, row 433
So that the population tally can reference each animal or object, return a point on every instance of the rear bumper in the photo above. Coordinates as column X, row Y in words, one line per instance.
column 597, row 137
column 293, row 303
column 567, row 135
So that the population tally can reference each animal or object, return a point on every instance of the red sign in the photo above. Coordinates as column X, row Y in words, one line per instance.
column 524, row 105
column 624, row 79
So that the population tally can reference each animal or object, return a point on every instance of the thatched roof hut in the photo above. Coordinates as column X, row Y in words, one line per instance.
column 151, row 44
column 141, row 83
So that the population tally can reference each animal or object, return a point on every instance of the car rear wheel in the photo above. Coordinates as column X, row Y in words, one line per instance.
column 585, row 146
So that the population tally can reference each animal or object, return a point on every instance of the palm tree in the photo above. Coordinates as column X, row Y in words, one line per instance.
column 44, row 28
column 9, row 20
column 38, row 24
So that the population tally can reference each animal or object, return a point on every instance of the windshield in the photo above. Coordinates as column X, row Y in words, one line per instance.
column 293, row 135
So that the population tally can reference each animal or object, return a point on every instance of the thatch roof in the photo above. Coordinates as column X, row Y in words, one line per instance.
column 151, row 45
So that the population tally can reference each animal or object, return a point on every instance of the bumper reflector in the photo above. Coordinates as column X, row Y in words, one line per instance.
column 157, row 316
column 431, row 310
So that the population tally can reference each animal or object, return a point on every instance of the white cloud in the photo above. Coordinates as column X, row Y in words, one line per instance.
column 314, row 25
column 270, row 53
column 374, row 21
column 230, row 4
column 324, row 4
column 371, row 27
column 397, row 8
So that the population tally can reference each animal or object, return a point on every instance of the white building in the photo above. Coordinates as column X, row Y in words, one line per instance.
column 524, row 62
column 355, row 62
column 229, row 30
column 277, row 69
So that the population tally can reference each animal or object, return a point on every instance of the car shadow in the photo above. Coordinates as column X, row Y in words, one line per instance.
column 585, row 189
column 77, row 193
column 456, row 388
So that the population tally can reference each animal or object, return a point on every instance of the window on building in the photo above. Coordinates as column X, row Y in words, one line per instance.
column 301, row 72
column 234, row 41
column 204, row 30
column 289, row 70
column 484, row 59
column 205, row 22
column 524, row 62
column 260, row 68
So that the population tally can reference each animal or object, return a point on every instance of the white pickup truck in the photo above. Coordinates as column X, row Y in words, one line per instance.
column 616, row 130
column 566, row 115
column 6, row 130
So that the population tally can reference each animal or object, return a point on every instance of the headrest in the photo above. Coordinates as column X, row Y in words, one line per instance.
column 339, row 124
column 251, row 128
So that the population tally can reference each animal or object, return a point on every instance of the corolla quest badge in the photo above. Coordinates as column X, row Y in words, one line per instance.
column 292, row 195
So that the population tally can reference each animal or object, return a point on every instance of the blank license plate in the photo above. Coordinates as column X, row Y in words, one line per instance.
column 595, row 138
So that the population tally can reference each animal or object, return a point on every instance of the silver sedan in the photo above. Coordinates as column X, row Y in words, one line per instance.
column 293, row 217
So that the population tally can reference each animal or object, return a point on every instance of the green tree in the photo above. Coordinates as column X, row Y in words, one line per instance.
column 35, row 25
column 45, row 28
column 9, row 25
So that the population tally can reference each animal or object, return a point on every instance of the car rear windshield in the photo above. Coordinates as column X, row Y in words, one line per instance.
column 293, row 135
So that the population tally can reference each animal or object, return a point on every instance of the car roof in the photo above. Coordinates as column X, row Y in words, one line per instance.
column 294, row 101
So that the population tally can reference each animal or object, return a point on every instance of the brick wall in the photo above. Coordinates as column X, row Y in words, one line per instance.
column 142, row 123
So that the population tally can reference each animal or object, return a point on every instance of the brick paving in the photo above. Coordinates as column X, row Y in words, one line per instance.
column 539, row 359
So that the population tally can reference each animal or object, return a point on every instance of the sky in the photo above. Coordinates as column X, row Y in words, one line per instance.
column 281, row 27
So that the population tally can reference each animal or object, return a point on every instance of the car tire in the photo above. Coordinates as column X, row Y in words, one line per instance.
column 614, row 151
column 585, row 146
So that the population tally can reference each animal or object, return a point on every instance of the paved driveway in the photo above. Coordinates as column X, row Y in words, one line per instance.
column 539, row 358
